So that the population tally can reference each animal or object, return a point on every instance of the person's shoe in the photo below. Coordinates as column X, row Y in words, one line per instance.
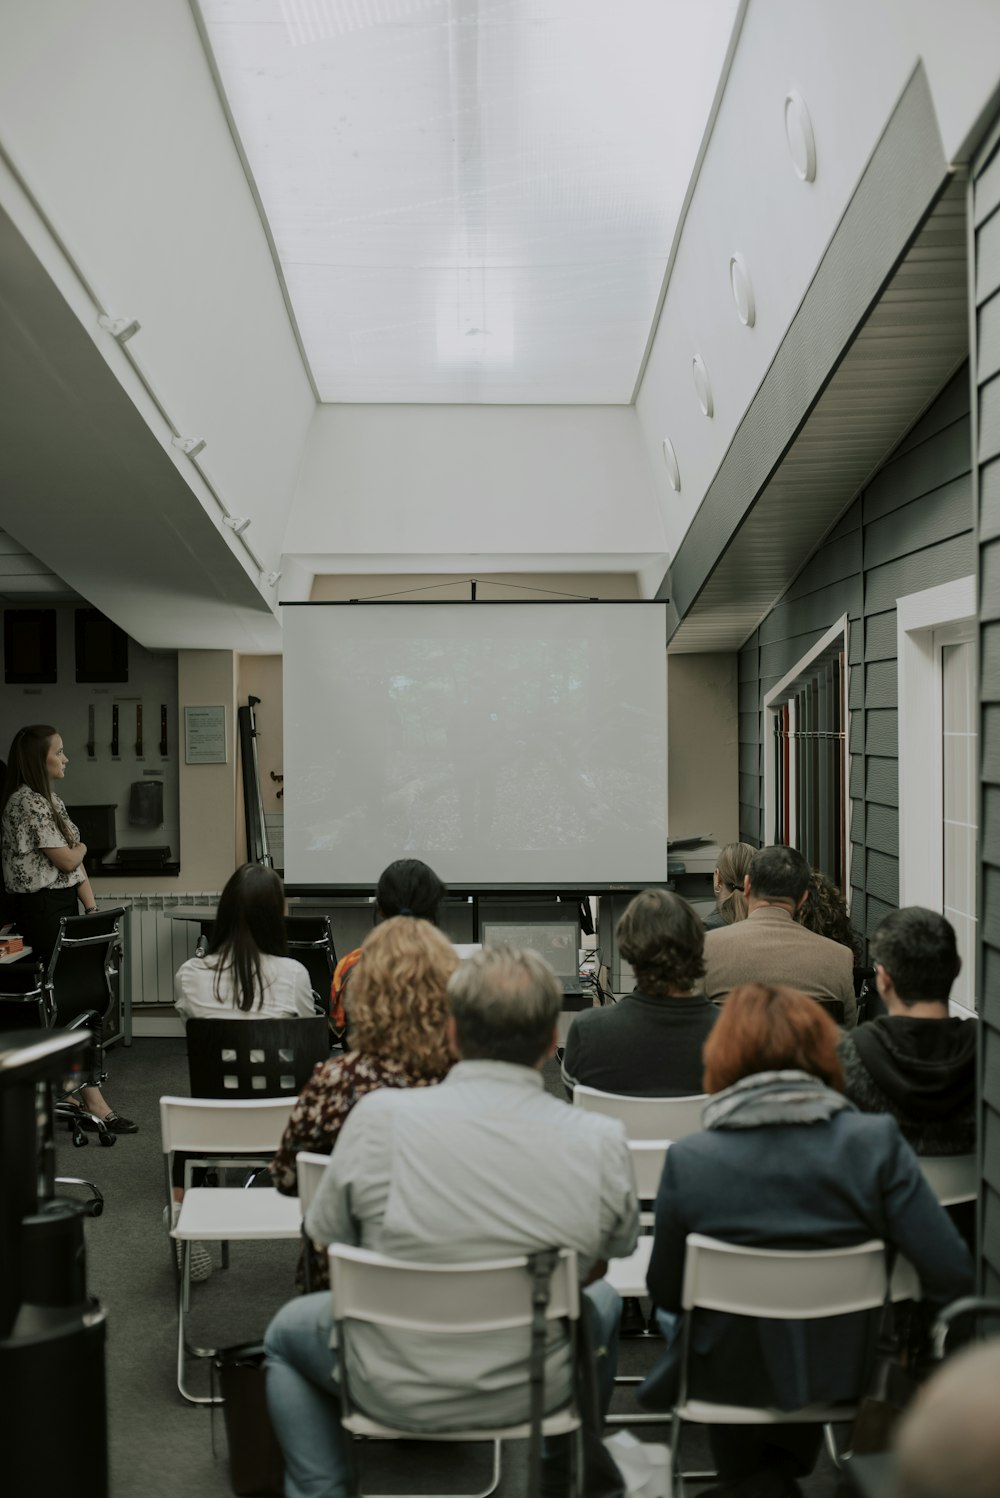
column 113, row 1121
column 633, row 1322
column 201, row 1259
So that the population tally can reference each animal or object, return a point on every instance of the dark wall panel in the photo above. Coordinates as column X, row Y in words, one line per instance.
column 910, row 529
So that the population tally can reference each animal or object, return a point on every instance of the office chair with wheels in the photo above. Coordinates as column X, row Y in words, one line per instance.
column 27, row 1003
column 82, row 979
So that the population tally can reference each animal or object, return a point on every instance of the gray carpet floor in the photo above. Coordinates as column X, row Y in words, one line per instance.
column 161, row 1447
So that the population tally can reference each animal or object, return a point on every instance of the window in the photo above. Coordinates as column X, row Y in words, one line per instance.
column 807, row 797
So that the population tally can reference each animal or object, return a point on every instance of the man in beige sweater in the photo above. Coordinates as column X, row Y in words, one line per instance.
column 771, row 947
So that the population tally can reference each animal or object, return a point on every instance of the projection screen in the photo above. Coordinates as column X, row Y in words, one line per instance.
column 508, row 745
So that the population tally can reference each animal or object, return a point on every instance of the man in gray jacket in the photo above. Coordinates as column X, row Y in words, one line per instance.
column 771, row 947
column 483, row 1166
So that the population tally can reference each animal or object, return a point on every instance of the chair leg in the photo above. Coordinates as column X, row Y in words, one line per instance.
column 830, row 1441
column 183, row 1348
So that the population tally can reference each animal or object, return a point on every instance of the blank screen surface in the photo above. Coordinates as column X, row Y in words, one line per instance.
column 506, row 745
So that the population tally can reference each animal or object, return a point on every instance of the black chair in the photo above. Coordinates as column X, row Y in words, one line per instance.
column 310, row 941
column 82, row 980
column 834, row 1008
column 26, row 1004
column 254, row 1058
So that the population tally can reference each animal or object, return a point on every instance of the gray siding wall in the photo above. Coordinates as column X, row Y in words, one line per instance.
column 910, row 529
column 986, row 261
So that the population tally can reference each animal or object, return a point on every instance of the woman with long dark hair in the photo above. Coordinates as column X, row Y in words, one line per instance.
column 43, row 868
column 246, row 972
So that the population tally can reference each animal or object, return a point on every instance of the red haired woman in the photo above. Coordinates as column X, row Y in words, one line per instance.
column 785, row 1161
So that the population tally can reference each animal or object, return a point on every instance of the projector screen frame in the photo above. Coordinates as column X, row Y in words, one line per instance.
column 474, row 889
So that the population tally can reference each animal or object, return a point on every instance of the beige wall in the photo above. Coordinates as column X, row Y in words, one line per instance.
column 703, row 746
column 210, row 843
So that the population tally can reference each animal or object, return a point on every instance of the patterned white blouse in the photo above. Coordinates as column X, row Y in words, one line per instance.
column 29, row 826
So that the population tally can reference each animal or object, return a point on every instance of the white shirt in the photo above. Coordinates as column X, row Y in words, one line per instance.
column 287, row 991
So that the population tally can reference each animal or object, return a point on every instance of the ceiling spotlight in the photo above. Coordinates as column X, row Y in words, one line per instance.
column 237, row 523
column 273, row 579
column 120, row 328
column 190, row 446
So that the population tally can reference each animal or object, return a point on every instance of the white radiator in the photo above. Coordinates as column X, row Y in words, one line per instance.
column 154, row 946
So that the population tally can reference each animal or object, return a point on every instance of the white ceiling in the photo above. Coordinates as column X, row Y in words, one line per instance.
column 470, row 200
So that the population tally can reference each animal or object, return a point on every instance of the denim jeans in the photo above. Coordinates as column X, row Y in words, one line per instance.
column 301, row 1393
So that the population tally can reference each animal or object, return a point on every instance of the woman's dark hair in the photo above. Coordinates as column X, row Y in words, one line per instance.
column 732, row 869
column 663, row 939
column 825, row 912
column 409, row 887
column 26, row 766
column 771, row 1029
column 250, row 920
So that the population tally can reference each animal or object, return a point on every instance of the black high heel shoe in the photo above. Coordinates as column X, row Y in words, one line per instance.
column 113, row 1121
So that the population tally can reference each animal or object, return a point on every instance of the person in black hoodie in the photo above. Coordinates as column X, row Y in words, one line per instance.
column 916, row 1062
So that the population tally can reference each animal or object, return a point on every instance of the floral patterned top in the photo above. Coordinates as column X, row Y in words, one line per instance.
column 318, row 1117
column 28, row 827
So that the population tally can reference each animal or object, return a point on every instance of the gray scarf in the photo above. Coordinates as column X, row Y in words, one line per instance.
column 773, row 1097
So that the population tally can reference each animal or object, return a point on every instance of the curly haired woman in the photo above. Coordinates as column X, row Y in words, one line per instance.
column 397, row 1015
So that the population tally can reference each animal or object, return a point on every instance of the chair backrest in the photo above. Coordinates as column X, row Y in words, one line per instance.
column 254, row 1058
column 445, row 1298
column 648, row 1156
column 646, row 1117
column 953, row 1178
column 780, row 1284
column 310, row 941
column 834, row 1008
column 217, row 1126
column 309, row 1168
column 82, row 960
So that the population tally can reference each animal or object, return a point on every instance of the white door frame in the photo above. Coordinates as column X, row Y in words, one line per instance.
column 921, row 796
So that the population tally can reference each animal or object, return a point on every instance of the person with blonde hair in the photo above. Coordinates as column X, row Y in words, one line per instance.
column 398, row 1038
column 727, row 886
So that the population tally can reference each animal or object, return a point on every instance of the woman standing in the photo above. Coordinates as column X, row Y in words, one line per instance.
column 43, row 863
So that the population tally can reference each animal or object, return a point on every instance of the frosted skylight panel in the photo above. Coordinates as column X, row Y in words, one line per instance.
column 471, row 201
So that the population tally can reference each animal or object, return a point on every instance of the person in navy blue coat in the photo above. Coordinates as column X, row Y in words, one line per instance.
column 785, row 1161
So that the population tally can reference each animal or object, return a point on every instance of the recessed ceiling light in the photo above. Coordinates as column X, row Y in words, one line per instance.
column 702, row 385
column 670, row 459
column 739, row 280
column 801, row 140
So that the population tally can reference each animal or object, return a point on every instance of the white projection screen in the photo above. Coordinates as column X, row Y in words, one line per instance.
column 508, row 745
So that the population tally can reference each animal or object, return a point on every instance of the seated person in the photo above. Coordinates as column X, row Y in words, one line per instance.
column 785, row 1161
column 406, row 887
column 649, row 1044
column 727, row 886
column 246, row 972
column 916, row 1062
column 770, row 946
column 486, row 1165
column 399, row 1038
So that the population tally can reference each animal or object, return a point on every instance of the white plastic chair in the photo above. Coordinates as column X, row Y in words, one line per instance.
column 783, row 1286
column 628, row 1276
column 646, row 1117
column 309, row 1169
column 953, row 1178
column 221, row 1132
column 460, row 1300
